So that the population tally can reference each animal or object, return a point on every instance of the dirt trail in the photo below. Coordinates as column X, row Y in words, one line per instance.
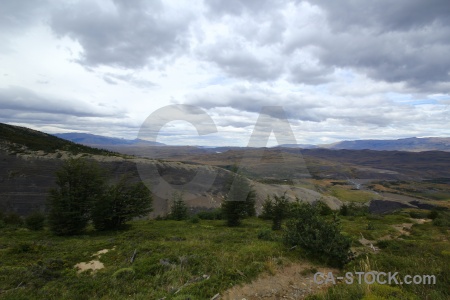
column 295, row 281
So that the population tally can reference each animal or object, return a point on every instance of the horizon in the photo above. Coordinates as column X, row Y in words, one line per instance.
column 272, row 146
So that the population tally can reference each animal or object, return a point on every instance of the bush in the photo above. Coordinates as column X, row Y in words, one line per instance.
column 267, row 209
column 441, row 222
column 35, row 221
column 323, row 208
column 276, row 210
column 121, row 203
column 215, row 214
column 179, row 209
column 353, row 210
column 267, row 235
column 195, row 220
column 418, row 214
column 318, row 235
column 13, row 219
column 239, row 202
column 433, row 214
column 79, row 184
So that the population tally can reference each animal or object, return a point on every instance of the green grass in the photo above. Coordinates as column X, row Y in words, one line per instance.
column 39, row 265
column 424, row 252
column 349, row 195
column 181, row 254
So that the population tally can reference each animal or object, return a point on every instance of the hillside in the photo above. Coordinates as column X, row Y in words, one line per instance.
column 409, row 144
column 21, row 139
column 29, row 160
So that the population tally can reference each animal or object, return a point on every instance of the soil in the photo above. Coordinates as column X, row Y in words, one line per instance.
column 295, row 281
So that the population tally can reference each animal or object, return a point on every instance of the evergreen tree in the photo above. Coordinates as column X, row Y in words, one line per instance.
column 239, row 202
column 121, row 203
column 179, row 209
column 79, row 184
column 280, row 211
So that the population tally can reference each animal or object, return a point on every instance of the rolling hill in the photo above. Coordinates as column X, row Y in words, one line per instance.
column 29, row 160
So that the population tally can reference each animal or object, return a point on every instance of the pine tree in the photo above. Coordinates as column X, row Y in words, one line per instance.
column 179, row 209
column 239, row 202
column 121, row 203
column 79, row 184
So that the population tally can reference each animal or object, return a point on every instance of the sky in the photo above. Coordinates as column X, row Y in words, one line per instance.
column 340, row 70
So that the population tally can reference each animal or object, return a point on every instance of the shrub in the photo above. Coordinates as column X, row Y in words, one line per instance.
column 266, row 235
column 215, row 214
column 239, row 202
column 353, row 210
column 323, row 208
column 276, row 210
column 13, row 219
column 35, row 221
column 195, row 220
column 79, row 184
column 318, row 235
column 267, row 209
column 179, row 209
column 433, row 214
column 418, row 215
column 121, row 203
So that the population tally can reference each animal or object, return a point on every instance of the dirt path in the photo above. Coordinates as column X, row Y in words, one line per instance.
column 295, row 281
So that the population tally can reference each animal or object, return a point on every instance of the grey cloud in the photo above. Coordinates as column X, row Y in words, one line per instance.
column 237, row 7
column 26, row 101
column 109, row 80
column 19, row 14
column 385, row 15
column 401, row 41
column 129, row 78
column 128, row 34
column 238, row 60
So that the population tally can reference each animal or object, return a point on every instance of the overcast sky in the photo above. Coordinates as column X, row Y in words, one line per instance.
column 340, row 69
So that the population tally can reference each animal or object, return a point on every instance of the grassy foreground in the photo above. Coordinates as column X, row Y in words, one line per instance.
column 189, row 260
column 202, row 259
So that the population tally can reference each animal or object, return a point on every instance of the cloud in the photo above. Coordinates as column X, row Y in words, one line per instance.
column 128, row 78
column 121, row 33
column 401, row 41
column 19, row 14
column 23, row 100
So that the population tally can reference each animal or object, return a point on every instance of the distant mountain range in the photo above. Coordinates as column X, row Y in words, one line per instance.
column 408, row 144
column 99, row 140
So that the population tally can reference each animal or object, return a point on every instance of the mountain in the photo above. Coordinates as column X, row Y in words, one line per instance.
column 17, row 139
column 408, row 144
column 99, row 140
column 29, row 160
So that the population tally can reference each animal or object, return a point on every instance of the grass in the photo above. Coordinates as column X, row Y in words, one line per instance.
column 423, row 252
column 182, row 259
column 170, row 254
column 348, row 195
